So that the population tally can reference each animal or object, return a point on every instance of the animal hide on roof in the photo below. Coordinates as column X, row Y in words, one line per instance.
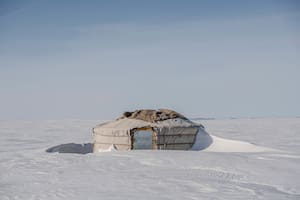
column 153, row 115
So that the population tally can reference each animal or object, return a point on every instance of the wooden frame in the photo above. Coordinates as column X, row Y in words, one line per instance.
column 154, row 136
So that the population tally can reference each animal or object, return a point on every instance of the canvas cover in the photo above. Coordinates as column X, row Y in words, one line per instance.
column 172, row 130
column 176, row 138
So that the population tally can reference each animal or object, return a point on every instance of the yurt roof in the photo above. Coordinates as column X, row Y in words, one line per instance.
column 148, row 118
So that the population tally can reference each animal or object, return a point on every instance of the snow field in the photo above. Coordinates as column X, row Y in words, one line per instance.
column 245, row 165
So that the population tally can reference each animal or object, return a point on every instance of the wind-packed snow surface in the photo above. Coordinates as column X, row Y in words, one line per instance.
column 233, row 159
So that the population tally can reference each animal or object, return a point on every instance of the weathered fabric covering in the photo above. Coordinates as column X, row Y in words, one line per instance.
column 153, row 115
column 176, row 138
column 121, row 124
column 171, row 130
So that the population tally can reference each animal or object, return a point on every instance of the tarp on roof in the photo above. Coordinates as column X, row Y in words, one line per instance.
column 153, row 115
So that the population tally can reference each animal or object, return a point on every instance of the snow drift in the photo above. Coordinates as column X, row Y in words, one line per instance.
column 211, row 143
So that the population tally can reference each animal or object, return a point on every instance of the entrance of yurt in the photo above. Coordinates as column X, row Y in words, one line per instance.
column 143, row 138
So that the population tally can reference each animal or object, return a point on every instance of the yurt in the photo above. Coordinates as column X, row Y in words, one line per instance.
column 161, row 129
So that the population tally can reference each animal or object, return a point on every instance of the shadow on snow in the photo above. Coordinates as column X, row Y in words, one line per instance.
column 72, row 148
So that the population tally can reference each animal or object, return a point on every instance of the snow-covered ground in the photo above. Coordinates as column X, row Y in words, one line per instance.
column 244, row 159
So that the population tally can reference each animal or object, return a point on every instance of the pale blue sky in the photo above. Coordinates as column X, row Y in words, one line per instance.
column 95, row 59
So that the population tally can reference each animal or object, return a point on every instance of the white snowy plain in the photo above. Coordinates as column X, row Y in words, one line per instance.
column 245, row 159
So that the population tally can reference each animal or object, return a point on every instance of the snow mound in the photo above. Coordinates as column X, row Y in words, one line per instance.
column 226, row 145
column 211, row 143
